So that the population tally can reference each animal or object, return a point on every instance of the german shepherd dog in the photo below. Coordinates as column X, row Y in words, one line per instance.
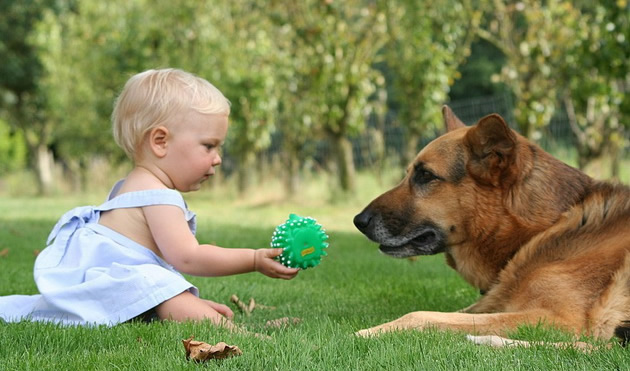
column 543, row 242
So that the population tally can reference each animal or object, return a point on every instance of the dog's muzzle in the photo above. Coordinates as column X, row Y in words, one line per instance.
column 422, row 239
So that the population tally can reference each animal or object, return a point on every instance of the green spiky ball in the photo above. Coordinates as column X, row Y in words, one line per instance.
column 303, row 242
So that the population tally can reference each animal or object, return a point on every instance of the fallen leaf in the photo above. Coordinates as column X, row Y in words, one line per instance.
column 283, row 322
column 4, row 253
column 36, row 252
column 200, row 351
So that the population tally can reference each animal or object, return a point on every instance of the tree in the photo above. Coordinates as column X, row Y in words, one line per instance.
column 78, row 84
column 428, row 42
column 82, row 80
column 596, row 95
column 332, row 49
column 20, row 73
column 12, row 149
column 248, row 78
column 533, row 37
column 485, row 61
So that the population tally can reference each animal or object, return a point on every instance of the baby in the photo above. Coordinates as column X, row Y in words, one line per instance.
column 122, row 259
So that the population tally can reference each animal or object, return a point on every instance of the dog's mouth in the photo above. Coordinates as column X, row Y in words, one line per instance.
column 429, row 242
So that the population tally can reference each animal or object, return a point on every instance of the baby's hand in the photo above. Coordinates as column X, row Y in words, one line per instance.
column 265, row 264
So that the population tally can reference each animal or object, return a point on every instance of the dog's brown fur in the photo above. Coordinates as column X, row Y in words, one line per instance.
column 544, row 242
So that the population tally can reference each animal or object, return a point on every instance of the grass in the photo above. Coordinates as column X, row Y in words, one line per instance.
column 354, row 287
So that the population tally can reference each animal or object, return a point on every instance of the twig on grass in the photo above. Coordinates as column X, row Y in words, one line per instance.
column 242, row 306
column 283, row 322
column 248, row 308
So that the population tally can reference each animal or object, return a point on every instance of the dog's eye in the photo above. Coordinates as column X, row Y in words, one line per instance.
column 422, row 176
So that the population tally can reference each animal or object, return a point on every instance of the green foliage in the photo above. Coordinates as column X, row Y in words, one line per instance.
column 485, row 61
column 533, row 37
column 248, row 77
column 334, row 45
column 428, row 41
column 597, row 72
column 22, row 103
column 20, row 67
column 326, row 53
column 311, row 69
column 573, row 52
column 12, row 149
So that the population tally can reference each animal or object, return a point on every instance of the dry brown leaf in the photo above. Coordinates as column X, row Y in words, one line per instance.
column 36, row 252
column 4, row 253
column 283, row 322
column 200, row 351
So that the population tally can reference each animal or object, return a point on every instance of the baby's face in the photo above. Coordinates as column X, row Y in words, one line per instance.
column 193, row 150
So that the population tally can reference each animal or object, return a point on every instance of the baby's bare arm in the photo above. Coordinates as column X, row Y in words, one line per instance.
column 180, row 248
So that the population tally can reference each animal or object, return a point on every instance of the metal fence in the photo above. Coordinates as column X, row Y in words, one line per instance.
column 558, row 132
column 367, row 151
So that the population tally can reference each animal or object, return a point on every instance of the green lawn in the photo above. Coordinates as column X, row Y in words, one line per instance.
column 354, row 287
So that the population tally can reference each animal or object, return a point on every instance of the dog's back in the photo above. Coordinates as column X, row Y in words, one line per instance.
column 578, row 269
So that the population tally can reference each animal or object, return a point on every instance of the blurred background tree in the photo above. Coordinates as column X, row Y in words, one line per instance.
column 22, row 102
column 597, row 75
column 331, row 47
column 428, row 41
column 242, row 58
column 310, row 81
column 534, row 39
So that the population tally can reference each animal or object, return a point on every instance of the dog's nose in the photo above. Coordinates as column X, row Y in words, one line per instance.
column 362, row 220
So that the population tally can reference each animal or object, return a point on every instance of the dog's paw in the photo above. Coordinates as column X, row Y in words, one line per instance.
column 494, row 341
column 365, row 333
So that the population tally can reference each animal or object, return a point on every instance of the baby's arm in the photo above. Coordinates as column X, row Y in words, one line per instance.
column 180, row 248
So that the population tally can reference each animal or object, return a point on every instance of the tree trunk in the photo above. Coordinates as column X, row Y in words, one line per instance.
column 615, row 162
column 615, row 150
column 342, row 152
column 244, row 172
column 410, row 150
column 44, row 166
column 377, row 148
column 292, row 173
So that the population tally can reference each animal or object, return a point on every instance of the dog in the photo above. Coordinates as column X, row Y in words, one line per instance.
column 543, row 242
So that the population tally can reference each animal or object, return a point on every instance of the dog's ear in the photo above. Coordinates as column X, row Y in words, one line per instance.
column 451, row 121
column 492, row 145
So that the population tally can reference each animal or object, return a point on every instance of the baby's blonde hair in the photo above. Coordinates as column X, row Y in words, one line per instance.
column 150, row 98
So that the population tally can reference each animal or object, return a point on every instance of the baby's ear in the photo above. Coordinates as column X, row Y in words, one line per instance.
column 158, row 140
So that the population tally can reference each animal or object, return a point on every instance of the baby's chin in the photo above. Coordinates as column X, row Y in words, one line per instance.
column 194, row 187
column 190, row 188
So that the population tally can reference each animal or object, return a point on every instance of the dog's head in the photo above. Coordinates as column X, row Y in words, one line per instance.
column 430, row 210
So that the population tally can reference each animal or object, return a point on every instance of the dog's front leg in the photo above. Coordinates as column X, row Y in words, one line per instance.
column 484, row 323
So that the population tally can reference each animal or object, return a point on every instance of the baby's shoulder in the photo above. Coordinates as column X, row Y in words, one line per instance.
column 149, row 197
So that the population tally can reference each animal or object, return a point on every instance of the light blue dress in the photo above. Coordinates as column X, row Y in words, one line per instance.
column 92, row 275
